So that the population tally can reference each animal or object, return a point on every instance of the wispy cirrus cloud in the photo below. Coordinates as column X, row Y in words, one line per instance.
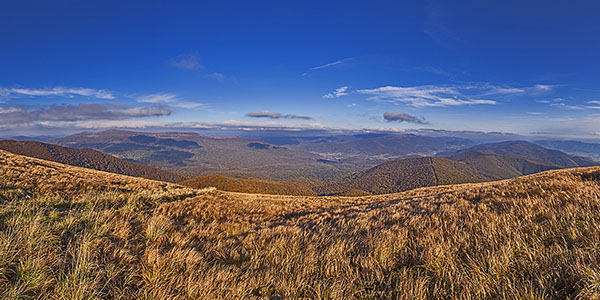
column 275, row 115
column 339, row 92
column 57, row 92
column 220, row 77
column 327, row 65
column 424, row 96
column 576, row 107
column 190, row 61
column 403, row 117
column 331, row 64
column 81, row 112
column 449, row 95
column 168, row 99
column 486, row 89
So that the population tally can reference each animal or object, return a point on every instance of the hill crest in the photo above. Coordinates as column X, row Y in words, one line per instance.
column 87, row 158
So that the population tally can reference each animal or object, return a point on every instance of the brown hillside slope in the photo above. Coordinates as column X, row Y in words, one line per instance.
column 87, row 158
column 533, row 237
column 250, row 185
column 486, row 162
column 405, row 174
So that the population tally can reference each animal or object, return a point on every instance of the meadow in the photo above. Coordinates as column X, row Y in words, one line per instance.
column 73, row 233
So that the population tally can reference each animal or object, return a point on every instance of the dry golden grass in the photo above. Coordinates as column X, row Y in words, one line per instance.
column 71, row 233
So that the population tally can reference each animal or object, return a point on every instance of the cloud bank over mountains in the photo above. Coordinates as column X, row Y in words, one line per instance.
column 275, row 115
column 402, row 117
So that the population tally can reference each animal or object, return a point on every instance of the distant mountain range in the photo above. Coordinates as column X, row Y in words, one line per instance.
column 590, row 150
column 192, row 154
column 87, row 158
column 480, row 163
column 283, row 158
column 334, row 165
column 374, row 146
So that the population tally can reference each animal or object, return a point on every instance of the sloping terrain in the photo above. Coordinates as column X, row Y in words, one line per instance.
column 481, row 163
column 192, row 154
column 87, row 158
column 255, row 186
column 405, row 174
column 516, row 158
column 74, row 233
column 532, row 152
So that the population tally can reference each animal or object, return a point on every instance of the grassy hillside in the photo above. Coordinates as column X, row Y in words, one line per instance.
column 74, row 233
column 256, row 186
column 87, row 158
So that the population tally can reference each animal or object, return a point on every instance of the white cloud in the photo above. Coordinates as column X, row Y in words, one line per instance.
column 158, row 98
column 543, row 87
column 80, row 112
column 57, row 91
column 327, row 65
column 576, row 107
column 225, row 125
column 339, row 92
column 168, row 99
column 425, row 96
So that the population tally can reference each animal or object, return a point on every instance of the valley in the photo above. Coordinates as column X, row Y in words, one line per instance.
column 365, row 164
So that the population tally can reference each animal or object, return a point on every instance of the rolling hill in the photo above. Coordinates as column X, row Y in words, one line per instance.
column 405, row 174
column 590, row 150
column 251, row 185
column 530, row 151
column 480, row 163
column 87, row 158
column 74, row 233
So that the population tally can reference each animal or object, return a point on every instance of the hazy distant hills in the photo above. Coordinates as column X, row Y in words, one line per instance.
column 515, row 158
column 284, row 158
column 480, row 163
column 527, row 150
column 87, row 158
column 194, row 154
column 591, row 150
column 373, row 145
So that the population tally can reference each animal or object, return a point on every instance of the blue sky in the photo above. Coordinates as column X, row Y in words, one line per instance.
column 527, row 68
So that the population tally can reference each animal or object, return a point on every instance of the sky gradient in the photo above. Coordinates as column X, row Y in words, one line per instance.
column 530, row 69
